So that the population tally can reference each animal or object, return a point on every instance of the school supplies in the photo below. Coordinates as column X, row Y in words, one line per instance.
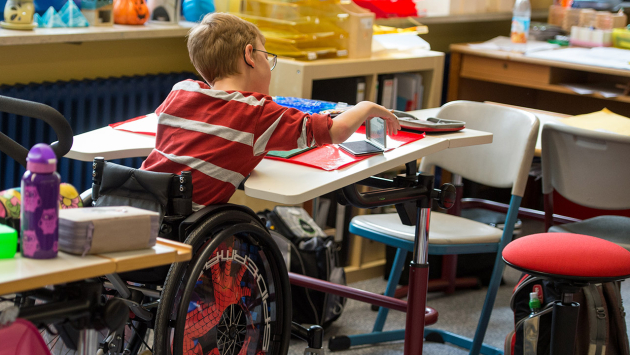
column 431, row 124
column 107, row 229
column 331, row 157
column 288, row 153
column 8, row 242
column 375, row 139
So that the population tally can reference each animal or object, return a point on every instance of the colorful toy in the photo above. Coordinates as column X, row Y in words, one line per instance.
column 10, row 202
column 165, row 11
column 18, row 15
column 130, row 12
column 69, row 197
column 195, row 10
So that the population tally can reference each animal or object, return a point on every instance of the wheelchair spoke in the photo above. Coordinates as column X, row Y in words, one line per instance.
column 229, row 300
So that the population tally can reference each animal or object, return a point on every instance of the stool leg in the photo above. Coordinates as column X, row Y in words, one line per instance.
column 418, row 280
column 564, row 325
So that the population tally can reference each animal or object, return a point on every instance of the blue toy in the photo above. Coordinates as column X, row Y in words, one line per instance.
column 305, row 105
column 195, row 10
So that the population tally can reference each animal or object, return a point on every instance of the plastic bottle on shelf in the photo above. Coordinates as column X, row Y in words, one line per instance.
column 40, row 204
column 521, row 18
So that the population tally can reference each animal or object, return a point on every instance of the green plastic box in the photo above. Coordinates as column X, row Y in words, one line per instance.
column 8, row 242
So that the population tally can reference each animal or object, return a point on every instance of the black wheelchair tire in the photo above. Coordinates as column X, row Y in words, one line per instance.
column 204, row 238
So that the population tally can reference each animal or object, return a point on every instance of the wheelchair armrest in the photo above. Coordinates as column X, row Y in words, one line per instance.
column 86, row 198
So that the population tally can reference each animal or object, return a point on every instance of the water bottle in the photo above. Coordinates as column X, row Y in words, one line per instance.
column 534, row 303
column 40, row 204
column 521, row 17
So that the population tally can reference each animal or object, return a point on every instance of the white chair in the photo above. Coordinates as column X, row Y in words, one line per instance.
column 504, row 163
column 591, row 169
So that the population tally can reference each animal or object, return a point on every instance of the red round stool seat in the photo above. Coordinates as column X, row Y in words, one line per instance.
column 569, row 256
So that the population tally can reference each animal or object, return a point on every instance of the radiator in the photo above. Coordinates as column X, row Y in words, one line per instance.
column 87, row 105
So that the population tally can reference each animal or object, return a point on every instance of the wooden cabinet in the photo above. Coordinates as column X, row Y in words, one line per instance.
column 512, row 78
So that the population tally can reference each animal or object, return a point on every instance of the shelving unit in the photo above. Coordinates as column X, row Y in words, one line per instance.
column 301, row 74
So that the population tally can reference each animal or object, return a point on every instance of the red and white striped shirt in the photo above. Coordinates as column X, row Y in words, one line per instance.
column 221, row 136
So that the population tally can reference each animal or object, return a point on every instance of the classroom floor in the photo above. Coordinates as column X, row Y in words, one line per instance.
column 458, row 313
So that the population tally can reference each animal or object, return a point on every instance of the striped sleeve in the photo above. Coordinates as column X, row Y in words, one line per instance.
column 281, row 128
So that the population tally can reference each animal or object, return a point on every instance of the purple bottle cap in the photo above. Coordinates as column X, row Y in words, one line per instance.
column 41, row 159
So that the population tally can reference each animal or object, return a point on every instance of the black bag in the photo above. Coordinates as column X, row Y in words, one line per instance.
column 601, row 319
column 307, row 251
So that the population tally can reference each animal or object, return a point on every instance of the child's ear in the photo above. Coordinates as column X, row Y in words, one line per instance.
column 248, row 55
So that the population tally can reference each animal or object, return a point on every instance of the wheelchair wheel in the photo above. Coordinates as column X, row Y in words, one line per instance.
column 232, row 298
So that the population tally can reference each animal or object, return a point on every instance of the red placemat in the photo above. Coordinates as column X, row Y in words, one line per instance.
column 146, row 124
column 331, row 157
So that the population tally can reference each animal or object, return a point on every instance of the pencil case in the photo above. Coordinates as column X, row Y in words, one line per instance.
column 98, row 230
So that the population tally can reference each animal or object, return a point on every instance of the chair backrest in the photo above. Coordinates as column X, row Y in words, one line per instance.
column 587, row 167
column 117, row 185
column 503, row 163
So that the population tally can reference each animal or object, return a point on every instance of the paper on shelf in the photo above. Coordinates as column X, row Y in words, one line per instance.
column 607, row 90
column 601, row 57
column 502, row 43
column 399, row 41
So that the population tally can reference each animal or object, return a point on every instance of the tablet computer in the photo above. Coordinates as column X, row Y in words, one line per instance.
column 375, row 139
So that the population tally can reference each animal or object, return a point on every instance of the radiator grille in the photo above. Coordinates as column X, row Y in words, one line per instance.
column 88, row 105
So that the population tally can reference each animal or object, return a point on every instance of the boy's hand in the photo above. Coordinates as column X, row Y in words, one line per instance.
column 347, row 122
column 393, row 126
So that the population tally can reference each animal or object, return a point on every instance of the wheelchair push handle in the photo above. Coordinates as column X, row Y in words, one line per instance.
column 39, row 111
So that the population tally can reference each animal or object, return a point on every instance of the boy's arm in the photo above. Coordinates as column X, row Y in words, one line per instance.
column 281, row 128
column 347, row 123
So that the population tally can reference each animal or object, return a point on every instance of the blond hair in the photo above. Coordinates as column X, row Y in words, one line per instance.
column 217, row 42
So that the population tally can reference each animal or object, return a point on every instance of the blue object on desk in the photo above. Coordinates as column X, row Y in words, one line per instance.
column 305, row 105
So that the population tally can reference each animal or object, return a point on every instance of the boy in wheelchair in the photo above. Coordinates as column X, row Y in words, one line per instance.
column 233, row 297
column 221, row 130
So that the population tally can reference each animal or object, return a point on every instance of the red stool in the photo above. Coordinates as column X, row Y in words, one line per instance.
column 572, row 260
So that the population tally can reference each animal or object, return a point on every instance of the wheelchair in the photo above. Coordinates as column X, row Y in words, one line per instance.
column 232, row 297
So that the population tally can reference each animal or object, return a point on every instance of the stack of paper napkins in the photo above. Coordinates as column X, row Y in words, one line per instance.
column 107, row 229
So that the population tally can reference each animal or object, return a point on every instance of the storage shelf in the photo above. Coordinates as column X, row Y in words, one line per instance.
column 480, row 17
column 93, row 33
column 302, row 73
column 548, row 87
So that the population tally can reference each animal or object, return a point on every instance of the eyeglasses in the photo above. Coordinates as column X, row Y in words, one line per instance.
column 271, row 58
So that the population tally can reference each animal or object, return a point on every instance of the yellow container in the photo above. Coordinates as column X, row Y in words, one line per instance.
column 621, row 38
column 311, row 29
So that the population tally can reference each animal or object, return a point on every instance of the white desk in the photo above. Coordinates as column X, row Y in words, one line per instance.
column 280, row 181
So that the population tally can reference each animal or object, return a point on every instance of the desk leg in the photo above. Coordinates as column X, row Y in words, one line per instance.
column 418, row 281
column 88, row 342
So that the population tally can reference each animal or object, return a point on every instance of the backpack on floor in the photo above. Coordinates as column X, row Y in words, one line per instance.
column 307, row 251
column 601, row 319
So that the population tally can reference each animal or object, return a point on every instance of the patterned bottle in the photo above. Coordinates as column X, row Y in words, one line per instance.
column 40, row 205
